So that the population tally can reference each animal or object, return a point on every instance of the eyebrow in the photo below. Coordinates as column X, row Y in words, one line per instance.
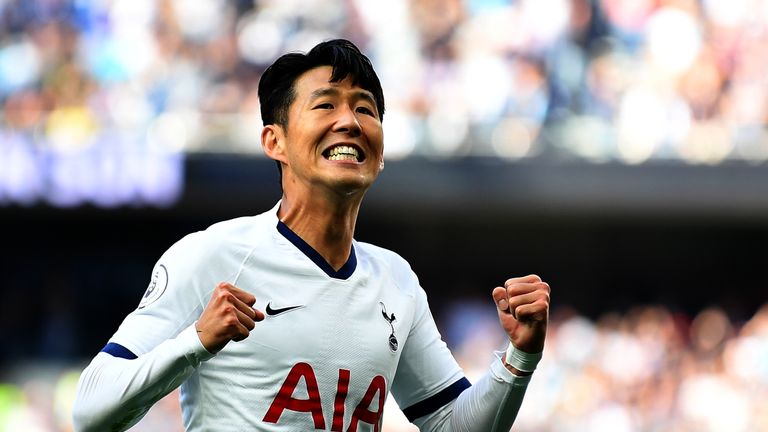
column 330, row 91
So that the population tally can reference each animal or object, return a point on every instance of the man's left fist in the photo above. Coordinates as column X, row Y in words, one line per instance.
column 523, row 307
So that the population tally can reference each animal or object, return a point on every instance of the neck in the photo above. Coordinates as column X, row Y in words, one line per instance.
column 326, row 225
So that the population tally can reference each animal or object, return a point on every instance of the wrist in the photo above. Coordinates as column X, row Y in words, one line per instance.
column 520, row 362
column 196, row 351
column 515, row 372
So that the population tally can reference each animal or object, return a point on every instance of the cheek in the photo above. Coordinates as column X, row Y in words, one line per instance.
column 376, row 138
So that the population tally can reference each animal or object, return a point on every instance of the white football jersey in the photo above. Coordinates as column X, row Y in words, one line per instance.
column 331, row 347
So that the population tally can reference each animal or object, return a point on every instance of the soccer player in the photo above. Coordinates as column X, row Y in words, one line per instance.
column 282, row 321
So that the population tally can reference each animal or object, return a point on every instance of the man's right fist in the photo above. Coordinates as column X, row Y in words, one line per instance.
column 228, row 316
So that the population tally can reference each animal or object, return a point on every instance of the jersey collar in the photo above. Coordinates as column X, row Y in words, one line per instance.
column 343, row 273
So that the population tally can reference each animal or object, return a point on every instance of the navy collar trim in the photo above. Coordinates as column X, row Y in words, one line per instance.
column 343, row 273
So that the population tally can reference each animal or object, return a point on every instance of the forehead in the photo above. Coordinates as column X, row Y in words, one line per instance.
column 319, row 78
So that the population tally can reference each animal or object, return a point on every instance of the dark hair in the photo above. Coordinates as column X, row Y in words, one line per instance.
column 276, row 87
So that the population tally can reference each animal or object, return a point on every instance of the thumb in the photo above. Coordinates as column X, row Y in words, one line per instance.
column 500, row 298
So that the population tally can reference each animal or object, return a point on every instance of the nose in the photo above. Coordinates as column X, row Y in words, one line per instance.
column 347, row 122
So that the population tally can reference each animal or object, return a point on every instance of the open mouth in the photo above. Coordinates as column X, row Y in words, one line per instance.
column 344, row 153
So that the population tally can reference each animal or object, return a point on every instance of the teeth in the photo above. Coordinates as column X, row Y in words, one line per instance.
column 343, row 153
column 342, row 157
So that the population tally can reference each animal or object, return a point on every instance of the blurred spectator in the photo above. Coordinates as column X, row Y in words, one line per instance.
column 604, row 80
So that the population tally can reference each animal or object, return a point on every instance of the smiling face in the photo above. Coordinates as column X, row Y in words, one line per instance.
column 333, row 139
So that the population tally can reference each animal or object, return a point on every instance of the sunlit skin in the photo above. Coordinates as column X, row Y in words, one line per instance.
column 322, row 197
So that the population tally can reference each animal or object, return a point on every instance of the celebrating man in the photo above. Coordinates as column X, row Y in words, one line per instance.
column 282, row 321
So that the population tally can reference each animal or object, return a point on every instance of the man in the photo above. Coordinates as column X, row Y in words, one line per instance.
column 339, row 323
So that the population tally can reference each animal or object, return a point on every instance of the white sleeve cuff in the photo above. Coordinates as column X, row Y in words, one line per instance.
column 194, row 351
column 501, row 373
column 521, row 360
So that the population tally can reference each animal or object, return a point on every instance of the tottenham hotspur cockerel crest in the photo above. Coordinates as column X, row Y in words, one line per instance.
column 390, row 319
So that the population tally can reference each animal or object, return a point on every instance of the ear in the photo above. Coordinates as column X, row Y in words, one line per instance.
column 272, row 141
column 381, row 164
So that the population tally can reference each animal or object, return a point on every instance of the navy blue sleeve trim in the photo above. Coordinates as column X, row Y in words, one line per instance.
column 437, row 401
column 117, row 350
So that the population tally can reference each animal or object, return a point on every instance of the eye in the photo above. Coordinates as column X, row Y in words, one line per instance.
column 324, row 106
column 365, row 110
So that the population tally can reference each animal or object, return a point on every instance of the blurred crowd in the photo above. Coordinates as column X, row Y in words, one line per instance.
column 644, row 370
column 605, row 80
column 101, row 99
column 648, row 370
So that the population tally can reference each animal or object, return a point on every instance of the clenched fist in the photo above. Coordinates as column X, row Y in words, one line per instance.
column 229, row 316
column 523, row 307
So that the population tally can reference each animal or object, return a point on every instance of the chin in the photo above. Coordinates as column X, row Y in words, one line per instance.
column 351, row 186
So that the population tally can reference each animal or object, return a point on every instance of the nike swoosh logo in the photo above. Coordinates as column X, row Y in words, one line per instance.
column 273, row 312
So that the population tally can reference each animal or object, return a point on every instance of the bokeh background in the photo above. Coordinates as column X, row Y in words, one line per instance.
column 615, row 147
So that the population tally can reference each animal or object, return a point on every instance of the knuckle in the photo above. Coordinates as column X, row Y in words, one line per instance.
column 542, row 305
column 215, row 295
column 534, row 277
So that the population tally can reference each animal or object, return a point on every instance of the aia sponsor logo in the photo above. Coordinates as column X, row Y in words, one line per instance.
column 313, row 406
